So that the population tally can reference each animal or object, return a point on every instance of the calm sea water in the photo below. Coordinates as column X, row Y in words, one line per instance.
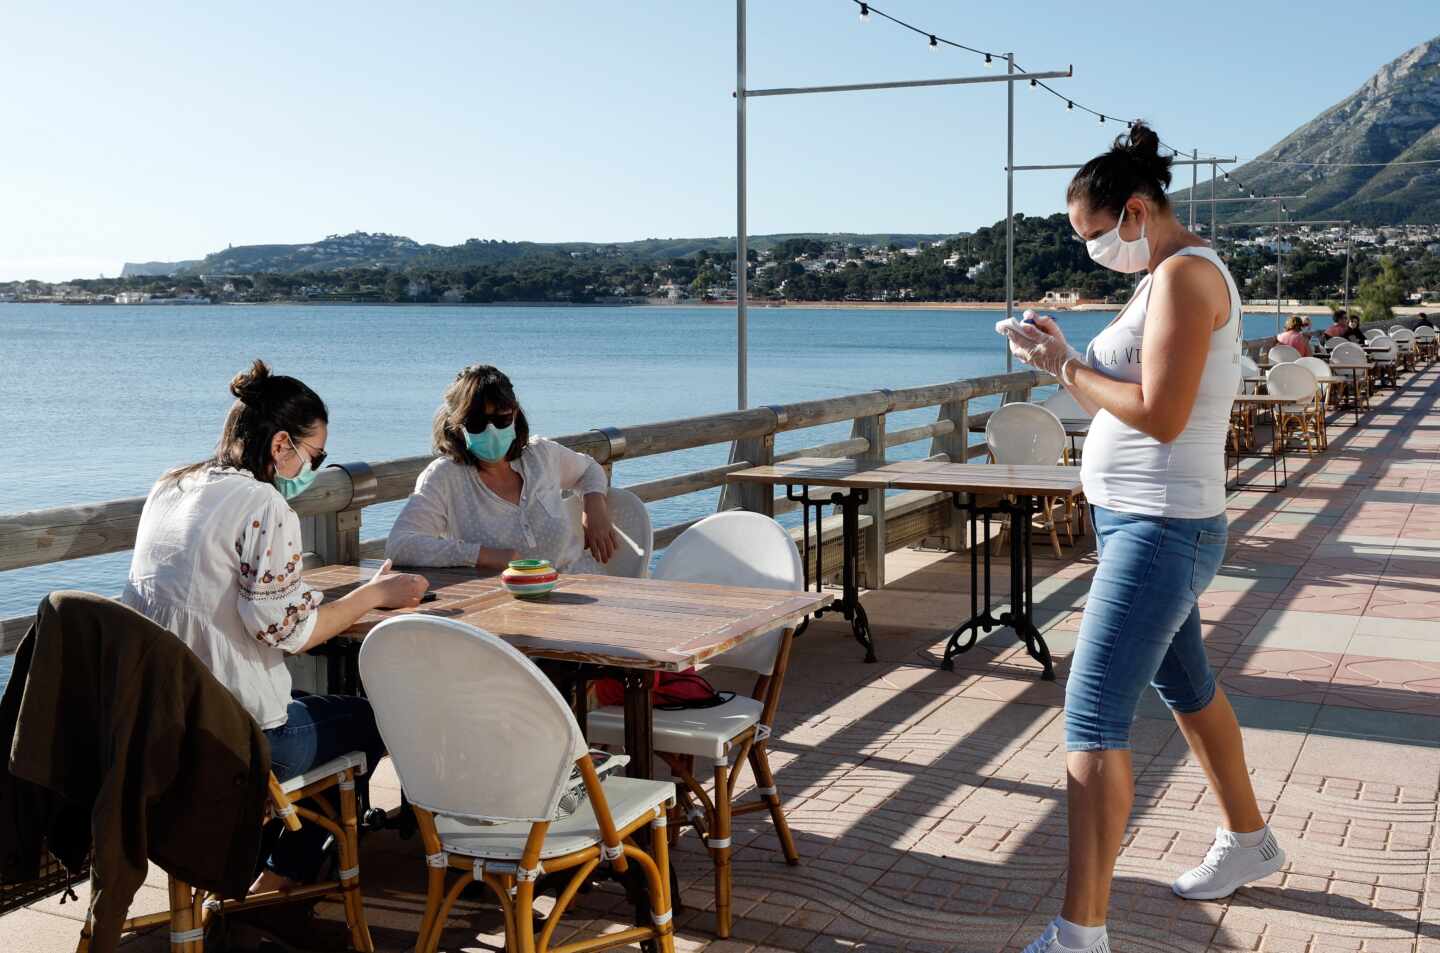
column 96, row 402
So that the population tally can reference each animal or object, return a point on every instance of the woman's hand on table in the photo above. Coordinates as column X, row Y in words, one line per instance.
column 396, row 590
column 600, row 536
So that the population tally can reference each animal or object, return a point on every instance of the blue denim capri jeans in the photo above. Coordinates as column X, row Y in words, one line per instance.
column 1141, row 624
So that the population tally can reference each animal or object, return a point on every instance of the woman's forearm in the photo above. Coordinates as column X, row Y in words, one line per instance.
column 1126, row 402
column 332, row 618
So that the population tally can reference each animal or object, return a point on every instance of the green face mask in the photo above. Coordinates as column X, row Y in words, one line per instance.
column 492, row 443
column 291, row 487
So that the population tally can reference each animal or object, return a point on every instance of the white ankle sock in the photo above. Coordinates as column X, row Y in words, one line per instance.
column 1252, row 839
column 1075, row 937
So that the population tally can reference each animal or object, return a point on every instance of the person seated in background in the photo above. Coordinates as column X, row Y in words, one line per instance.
column 1422, row 320
column 1352, row 329
column 1337, row 330
column 1294, row 335
column 218, row 562
column 494, row 493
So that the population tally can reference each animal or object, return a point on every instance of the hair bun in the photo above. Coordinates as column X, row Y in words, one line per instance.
column 249, row 386
column 1142, row 146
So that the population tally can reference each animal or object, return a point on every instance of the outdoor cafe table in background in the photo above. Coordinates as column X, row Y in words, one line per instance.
column 848, row 483
column 605, row 624
column 1245, row 406
column 985, row 490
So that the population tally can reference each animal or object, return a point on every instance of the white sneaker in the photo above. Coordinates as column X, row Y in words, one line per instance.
column 1228, row 867
column 1049, row 942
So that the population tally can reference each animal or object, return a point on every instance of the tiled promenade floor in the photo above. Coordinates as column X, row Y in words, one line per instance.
column 929, row 806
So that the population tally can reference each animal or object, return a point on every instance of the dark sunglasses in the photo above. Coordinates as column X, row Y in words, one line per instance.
column 317, row 457
column 478, row 421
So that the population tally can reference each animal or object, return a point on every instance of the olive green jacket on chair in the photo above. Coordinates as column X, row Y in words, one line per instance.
column 118, row 735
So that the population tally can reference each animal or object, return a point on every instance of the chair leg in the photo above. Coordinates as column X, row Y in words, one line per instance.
column 434, row 896
column 719, row 844
column 765, row 778
column 1049, row 517
column 182, row 918
column 349, row 847
column 663, row 905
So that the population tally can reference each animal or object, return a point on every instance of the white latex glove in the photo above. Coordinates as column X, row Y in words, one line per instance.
column 1045, row 350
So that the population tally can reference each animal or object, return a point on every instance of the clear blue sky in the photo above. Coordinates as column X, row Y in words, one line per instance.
column 167, row 130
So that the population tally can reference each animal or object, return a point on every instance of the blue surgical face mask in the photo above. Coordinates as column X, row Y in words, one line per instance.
column 291, row 487
column 492, row 443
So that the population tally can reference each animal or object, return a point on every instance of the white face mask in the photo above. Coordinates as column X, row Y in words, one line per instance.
column 1115, row 253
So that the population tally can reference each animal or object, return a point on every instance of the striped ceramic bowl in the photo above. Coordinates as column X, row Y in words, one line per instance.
column 529, row 578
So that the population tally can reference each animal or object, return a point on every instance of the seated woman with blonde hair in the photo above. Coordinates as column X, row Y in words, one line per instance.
column 494, row 494
column 1294, row 335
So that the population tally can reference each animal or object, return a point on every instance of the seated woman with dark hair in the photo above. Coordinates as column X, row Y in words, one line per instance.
column 495, row 493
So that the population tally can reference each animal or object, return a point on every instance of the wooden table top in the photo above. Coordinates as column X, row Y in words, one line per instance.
column 1262, row 399
column 986, row 478
column 650, row 624
column 815, row 471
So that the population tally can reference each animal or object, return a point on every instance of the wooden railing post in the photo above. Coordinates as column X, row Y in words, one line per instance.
column 955, row 445
column 872, row 567
column 758, row 452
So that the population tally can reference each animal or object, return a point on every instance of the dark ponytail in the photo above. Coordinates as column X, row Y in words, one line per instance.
column 1133, row 166
column 265, row 404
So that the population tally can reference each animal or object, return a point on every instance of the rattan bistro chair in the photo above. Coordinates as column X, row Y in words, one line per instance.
column 732, row 549
column 1298, row 385
column 631, row 521
column 1283, row 354
column 189, row 908
column 1023, row 433
column 486, row 748
column 1426, row 343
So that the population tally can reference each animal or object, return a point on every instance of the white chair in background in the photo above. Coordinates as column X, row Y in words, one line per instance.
column 1372, row 333
column 1386, row 361
column 1404, row 339
column 1298, row 385
column 1426, row 341
column 1331, row 344
column 631, row 521
column 485, row 749
column 1349, row 360
column 1019, row 434
column 637, row 536
column 1320, row 369
column 728, row 549
column 1283, row 353
column 1248, row 368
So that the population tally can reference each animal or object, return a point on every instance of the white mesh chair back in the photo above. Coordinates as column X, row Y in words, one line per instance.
column 1403, row 337
column 1348, row 354
column 1023, row 433
column 1385, row 341
column 1283, row 353
column 738, row 549
column 1331, row 344
column 471, row 724
column 1064, row 406
column 1319, row 368
column 1248, row 367
column 1424, row 333
column 1396, row 327
column 1372, row 333
column 637, row 536
column 1293, row 382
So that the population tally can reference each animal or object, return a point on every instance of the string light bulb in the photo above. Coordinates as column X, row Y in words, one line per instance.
column 1102, row 119
column 1226, row 175
column 864, row 13
column 1033, row 84
column 988, row 60
column 934, row 44
column 1069, row 106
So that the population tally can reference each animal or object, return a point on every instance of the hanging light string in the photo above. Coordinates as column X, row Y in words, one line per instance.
column 1345, row 165
column 936, row 41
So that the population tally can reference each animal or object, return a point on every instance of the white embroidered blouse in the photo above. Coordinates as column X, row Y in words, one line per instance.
column 217, row 562
column 452, row 515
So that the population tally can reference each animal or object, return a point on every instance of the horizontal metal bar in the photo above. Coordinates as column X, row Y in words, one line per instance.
column 1313, row 221
column 1250, row 198
column 1040, row 168
column 909, row 84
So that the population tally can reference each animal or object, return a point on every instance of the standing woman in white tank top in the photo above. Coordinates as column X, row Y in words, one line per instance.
column 1159, row 380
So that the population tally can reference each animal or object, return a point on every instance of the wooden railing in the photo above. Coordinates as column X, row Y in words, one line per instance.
column 332, row 510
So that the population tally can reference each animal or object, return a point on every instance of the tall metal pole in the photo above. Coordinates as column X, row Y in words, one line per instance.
column 1194, row 186
column 1279, row 267
column 742, row 329
column 1347, row 271
column 1214, row 236
column 1009, row 202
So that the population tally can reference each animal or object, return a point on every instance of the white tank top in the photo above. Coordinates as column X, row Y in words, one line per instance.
column 1130, row 472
